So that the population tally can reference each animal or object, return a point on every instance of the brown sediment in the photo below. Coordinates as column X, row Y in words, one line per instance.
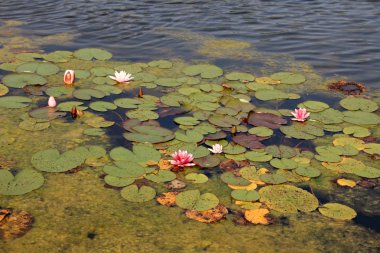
column 348, row 88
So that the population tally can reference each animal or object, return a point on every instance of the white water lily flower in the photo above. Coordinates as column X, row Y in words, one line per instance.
column 122, row 77
column 216, row 149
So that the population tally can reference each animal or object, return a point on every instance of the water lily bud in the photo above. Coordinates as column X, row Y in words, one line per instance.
column 52, row 102
column 69, row 76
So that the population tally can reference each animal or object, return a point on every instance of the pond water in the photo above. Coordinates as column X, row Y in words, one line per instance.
column 315, row 43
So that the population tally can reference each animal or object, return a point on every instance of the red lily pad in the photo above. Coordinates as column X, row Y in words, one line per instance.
column 266, row 119
column 249, row 140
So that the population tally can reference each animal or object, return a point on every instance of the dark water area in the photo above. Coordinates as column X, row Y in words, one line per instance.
column 337, row 38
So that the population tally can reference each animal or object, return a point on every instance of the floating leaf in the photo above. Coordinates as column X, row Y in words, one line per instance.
column 23, row 79
column 337, row 211
column 67, row 106
column 167, row 198
column 288, row 77
column 205, row 70
column 188, row 136
column 233, row 149
column 328, row 116
column 133, row 194
column 162, row 64
column 87, row 94
column 308, row 172
column 284, row 163
column 102, row 106
column 14, row 102
column 357, row 131
column 313, row 106
column 261, row 131
column 125, row 169
column 302, row 131
column 118, row 181
column 59, row 56
column 89, row 54
column 350, row 165
column 15, row 224
column 266, row 95
column 288, row 199
column 34, row 125
column 249, row 140
column 281, row 151
column 162, row 176
column 266, row 120
column 197, row 178
column 361, row 118
column 139, row 154
column 25, row 181
column 273, row 179
column 240, row 76
column 356, row 103
column 142, row 114
column 40, row 68
column 231, row 179
column 168, row 82
column 209, row 161
column 94, row 132
column 372, row 148
column 257, row 216
column 187, row 121
column 102, row 71
column 223, row 120
column 258, row 156
column 193, row 200
column 98, row 121
column 129, row 103
column 245, row 195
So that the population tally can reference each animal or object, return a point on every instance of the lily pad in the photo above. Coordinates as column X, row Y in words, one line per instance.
column 209, row 161
column 353, row 166
column 87, row 94
column 167, row 82
column 361, row 118
column 223, row 120
column 266, row 95
column 245, row 195
column 118, row 181
column 31, row 124
column 356, row 103
column 162, row 64
column 89, row 54
column 206, row 71
column 139, row 154
column 240, row 76
column 302, row 131
column 288, row 199
column 186, row 121
column 23, row 79
column 162, row 176
column 261, row 131
column 273, row 179
column 249, row 140
column 232, row 179
column 281, row 151
column 133, row 194
column 3, row 90
column 313, row 106
column 193, row 200
column 25, row 181
column 102, row 106
column 266, row 120
column 357, row 131
column 142, row 114
column 40, row 68
column 14, row 102
column 258, row 156
column 337, row 211
column 308, row 171
column 197, row 178
column 288, row 77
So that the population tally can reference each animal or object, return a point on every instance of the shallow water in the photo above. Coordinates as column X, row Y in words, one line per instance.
column 75, row 213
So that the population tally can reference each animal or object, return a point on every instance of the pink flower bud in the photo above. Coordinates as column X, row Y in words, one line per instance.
column 52, row 102
column 69, row 76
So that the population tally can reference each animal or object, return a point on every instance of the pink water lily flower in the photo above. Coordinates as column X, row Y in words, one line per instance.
column 69, row 76
column 300, row 114
column 182, row 158
column 52, row 102
column 122, row 77
column 216, row 149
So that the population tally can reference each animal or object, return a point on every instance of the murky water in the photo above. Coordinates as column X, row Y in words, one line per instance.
column 75, row 213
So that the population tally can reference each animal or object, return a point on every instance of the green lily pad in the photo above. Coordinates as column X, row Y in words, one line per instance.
column 281, row 151
column 129, row 103
column 89, row 54
column 58, row 91
column 51, row 160
column 67, row 106
column 258, row 156
column 188, row 136
column 98, row 122
column 239, row 76
column 284, row 163
column 372, row 148
column 46, row 113
column 209, row 161
column 102, row 106
column 25, row 181
column 167, row 82
column 266, row 95
column 337, row 211
column 350, row 165
column 87, row 94
column 308, row 172
column 40, row 68
column 31, row 124
column 193, row 200
column 357, row 131
column 233, row 149
column 118, row 181
column 288, row 77
column 133, row 194
column 108, row 89
column 186, row 121
column 197, row 178
column 273, row 179
column 230, row 178
column 261, row 131
column 328, row 116
column 361, row 118
column 139, row 154
column 223, row 120
column 125, row 169
column 23, row 79
column 58, row 56
column 14, row 102
column 162, row 176
column 362, row 104
column 150, row 134
column 142, row 114
column 245, row 195
column 205, row 70
column 302, row 131
column 313, row 106
column 102, row 71
column 288, row 199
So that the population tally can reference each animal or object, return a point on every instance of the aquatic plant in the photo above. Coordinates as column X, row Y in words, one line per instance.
column 182, row 158
column 122, row 77
column 300, row 114
column 216, row 148
column 52, row 102
column 69, row 77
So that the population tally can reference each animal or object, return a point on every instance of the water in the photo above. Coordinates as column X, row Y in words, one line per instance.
column 75, row 213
